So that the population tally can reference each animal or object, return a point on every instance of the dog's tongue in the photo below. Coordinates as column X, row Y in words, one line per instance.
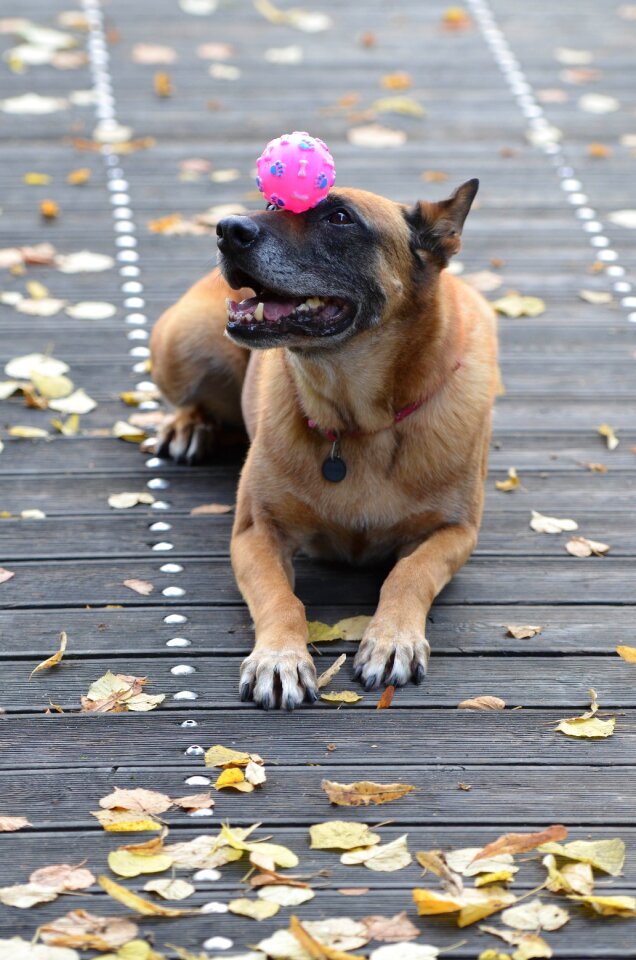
column 274, row 309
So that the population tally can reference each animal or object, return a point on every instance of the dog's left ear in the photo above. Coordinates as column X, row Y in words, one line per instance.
column 437, row 226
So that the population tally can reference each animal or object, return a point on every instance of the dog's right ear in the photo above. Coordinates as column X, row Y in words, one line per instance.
column 437, row 226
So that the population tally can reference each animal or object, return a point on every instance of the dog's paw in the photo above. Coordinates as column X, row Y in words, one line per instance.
column 186, row 437
column 391, row 656
column 272, row 678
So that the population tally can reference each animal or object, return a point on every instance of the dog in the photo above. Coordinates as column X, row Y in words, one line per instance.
column 365, row 375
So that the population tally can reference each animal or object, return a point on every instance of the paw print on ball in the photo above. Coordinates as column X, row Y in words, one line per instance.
column 321, row 181
column 259, row 184
column 276, row 201
column 277, row 169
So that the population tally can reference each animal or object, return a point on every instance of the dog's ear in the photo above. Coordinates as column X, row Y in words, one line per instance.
column 437, row 226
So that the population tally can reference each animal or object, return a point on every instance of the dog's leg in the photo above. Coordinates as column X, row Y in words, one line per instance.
column 394, row 647
column 279, row 671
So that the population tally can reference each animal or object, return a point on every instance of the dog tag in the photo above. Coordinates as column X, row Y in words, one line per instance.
column 334, row 469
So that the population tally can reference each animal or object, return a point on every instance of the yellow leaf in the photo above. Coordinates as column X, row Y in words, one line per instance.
column 36, row 290
column 570, row 878
column 69, row 427
column 605, row 855
column 499, row 876
column 386, row 858
column 341, row 835
column 341, row 696
column 364, row 792
column 80, row 176
column 486, row 702
column 170, row 889
column 627, row 653
column 405, row 106
column 124, row 501
column 49, row 209
column 620, row 906
column 126, row 431
column 137, row 903
column 219, row 756
column 53, row 660
column 52, row 387
column 127, row 864
column 285, row 896
column 514, row 305
column 610, row 437
column 27, row 433
column 351, row 628
column 255, row 909
column 233, row 777
column 36, row 179
column 530, row 946
column 281, row 856
column 510, row 484
column 316, row 949
column 432, row 902
column 124, row 821
column 543, row 524
column 589, row 728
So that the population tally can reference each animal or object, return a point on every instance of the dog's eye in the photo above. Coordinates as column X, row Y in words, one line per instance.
column 340, row 217
column 271, row 206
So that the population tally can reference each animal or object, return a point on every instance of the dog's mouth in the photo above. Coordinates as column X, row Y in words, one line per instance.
column 278, row 315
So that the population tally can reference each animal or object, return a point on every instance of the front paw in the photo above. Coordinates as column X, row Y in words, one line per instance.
column 186, row 436
column 274, row 678
column 390, row 655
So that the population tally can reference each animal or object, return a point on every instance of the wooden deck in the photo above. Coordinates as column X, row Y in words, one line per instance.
column 565, row 373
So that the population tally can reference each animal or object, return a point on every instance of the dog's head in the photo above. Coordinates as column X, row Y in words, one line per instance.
column 338, row 269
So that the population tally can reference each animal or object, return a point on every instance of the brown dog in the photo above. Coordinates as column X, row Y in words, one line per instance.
column 369, row 420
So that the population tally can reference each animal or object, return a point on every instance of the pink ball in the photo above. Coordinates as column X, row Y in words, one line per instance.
column 295, row 171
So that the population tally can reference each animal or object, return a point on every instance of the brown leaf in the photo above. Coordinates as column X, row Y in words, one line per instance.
column 364, row 792
column 63, row 877
column 11, row 824
column 386, row 699
column 137, row 800
column 143, row 587
column 391, row 929
column 582, row 547
column 486, row 702
column 325, row 678
column 49, row 209
column 85, row 930
column 162, row 84
column 211, row 509
column 523, row 632
column 353, row 891
column 316, row 949
column 522, row 842
column 5, row 575
column 53, row 660
column 195, row 801
column 396, row 81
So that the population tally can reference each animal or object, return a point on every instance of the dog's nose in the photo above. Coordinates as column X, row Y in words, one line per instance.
column 236, row 233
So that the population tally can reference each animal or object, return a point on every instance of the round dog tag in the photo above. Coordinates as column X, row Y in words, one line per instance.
column 334, row 469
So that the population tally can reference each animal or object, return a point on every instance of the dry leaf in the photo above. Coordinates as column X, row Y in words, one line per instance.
column 364, row 792
column 78, row 402
column 25, row 895
column 127, row 864
column 88, row 931
column 36, row 179
column 235, row 778
column 219, row 756
column 587, row 725
column 471, row 905
column 530, row 946
column 69, row 427
column 351, row 628
column 144, row 587
column 403, row 106
column 463, row 862
column 22, row 368
column 506, row 486
column 341, row 696
column 325, row 678
column 315, row 948
column 605, row 855
column 46, row 307
column 595, row 296
column 396, row 81
column 137, row 800
column 135, row 902
column 570, row 878
column 598, row 103
column 543, row 524
column 83, row 261
column 514, row 305
column 391, row 929
column 123, row 501
column 306, row 20
column 375, row 136
column 49, row 209
column 627, row 653
column 255, row 773
column 285, row 56
column 521, row 842
column 211, row 509
column 12, row 824
column 78, row 177
column 285, row 895
column 91, row 310
column 254, row 909
column 485, row 702
column 386, row 858
column 153, row 54
column 604, row 430
column 623, row 218
column 203, row 852
column 6, row 575
column 27, row 433
column 620, row 906
column 170, row 889
column 124, row 821
column 483, row 280
column 162, row 84
column 55, row 658
column 341, row 835
column 195, row 801
column 535, row 915
column 582, row 547
column 456, row 18
column 63, row 877
column 281, row 856
column 523, row 632
column 18, row 949
column 33, row 103
column 117, row 693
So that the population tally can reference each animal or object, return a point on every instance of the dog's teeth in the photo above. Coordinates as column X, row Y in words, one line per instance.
column 228, row 303
column 259, row 312
column 302, row 308
column 314, row 302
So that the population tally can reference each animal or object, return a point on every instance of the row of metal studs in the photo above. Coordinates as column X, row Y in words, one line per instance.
column 570, row 183
column 133, row 290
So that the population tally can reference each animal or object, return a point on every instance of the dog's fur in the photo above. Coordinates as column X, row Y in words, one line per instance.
column 413, row 490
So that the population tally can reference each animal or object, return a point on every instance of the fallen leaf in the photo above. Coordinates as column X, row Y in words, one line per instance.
column 25, row 895
column 463, row 862
column 619, row 906
column 49, row 209
column 341, row 696
column 587, row 725
column 215, row 51
column 85, row 930
column 91, row 310
column 152, row 54
column 364, row 792
column 316, row 948
column 195, row 801
column 627, row 653
column 84, row 261
column 78, row 402
column 202, row 852
column 598, row 103
column 570, row 878
column 386, row 858
column 530, row 946
column 485, row 702
column 521, row 842
column 33, row 103
column 45, row 307
column 573, row 58
column 53, row 660
column 69, row 427
column 127, row 864
column 351, row 628
column 280, row 855
column 544, row 524
column 18, row 949
column 124, row 821
column 596, row 296
column 285, row 56
column 396, row 81
column 136, row 800
column 12, row 824
column 514, row 305
column 284, row 895
column 123, row 501
column 599, row 151
column 170, row 889
column 254, row 909
column 308, row 21
column 375, row 136
column 471, row 905
column 255, row 773
column 53, row 388
column 162, row 84
column 78, row 177
column 63, row 877
column 523, row 632
column 582, row 547
column 403, row 106
column 235, row 778
column 27, row 433
column 604, row 430
column 36, row 179
column 126, row 431
column 23, row 368
column 325, row 678
column 219, row 756
column 605, row 855
column 535, row 915
column 117, row 693
column 207, row 509
column 483, row 280
column 506, row 486
column 6, row 575
column 434, row 176
column 136, row 903
column 144, row 587
column 391, row 929
column 341, row 835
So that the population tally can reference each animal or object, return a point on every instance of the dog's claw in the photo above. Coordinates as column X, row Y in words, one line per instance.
column 245, row 692
column 186, row 437
column 274, row 679
column 419, row 674
column 390, row 656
